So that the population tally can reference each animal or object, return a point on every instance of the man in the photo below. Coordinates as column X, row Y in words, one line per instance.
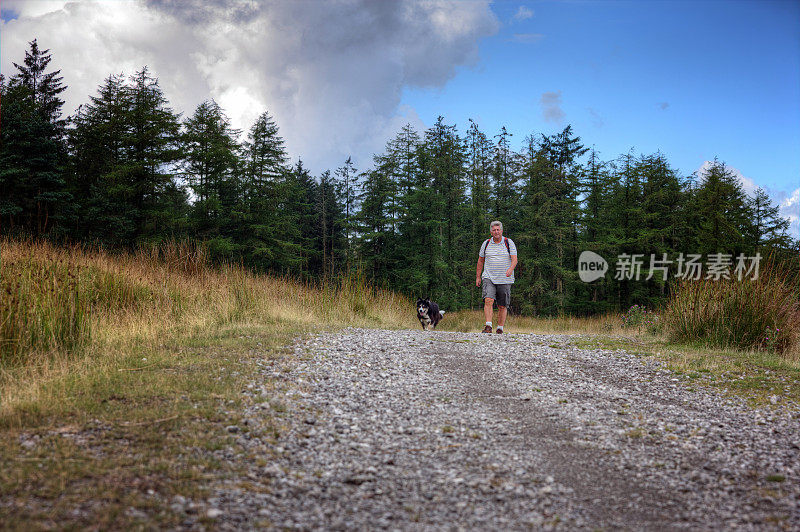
column 499, row 254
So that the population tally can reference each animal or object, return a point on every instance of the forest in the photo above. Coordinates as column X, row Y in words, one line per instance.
column 127, row 171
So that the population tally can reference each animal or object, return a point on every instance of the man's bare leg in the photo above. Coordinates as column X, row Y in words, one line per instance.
column 501, row 316
column 488, row 308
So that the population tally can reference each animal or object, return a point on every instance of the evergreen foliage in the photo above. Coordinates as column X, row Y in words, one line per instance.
column 126, row 170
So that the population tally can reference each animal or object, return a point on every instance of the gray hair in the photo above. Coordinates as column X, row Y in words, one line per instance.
column 494, row 223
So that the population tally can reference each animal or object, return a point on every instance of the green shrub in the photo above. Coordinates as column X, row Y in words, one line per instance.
column 743, row 314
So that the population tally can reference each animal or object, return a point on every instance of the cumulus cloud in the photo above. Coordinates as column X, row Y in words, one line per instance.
column 523, row 13
column 331, row 73
column 788, row 203
column 551, row 107
column 790, row 209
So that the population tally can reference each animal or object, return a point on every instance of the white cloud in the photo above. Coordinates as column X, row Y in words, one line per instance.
column 33, row 8
column 790, row 209
column 331, row 73
column 788, row 204
column 551, row 107
column 527, row 38
column 523, row 13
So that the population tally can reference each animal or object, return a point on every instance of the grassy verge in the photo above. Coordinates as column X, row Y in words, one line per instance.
column 760, row 377
column 119, row 376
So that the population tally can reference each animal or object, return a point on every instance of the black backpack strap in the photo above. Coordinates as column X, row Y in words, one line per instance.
column 486, row 244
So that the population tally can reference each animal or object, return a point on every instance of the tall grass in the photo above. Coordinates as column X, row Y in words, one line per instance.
column 760, row 314
column 43, row 309
column 59, row 303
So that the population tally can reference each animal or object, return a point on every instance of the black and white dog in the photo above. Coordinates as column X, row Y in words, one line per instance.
column 428, row 313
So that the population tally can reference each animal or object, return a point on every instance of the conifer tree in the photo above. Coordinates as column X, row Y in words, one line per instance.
column 479, row 157
column 346, row 177
column 718, row 212
column 43, row 87
column 766, row 228
column 124, row 147
column 211, row 167
column 303, row 256
column 596, row 227
column 263, row 230
column 330, row 227
column 375, row 219
column 32, row 155
column 505, row 179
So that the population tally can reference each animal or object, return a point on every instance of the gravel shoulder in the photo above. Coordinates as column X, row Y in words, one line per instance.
column 418, row 430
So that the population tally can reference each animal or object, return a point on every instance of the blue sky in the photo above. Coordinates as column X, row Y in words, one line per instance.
column 696, row 80
column 693, row 79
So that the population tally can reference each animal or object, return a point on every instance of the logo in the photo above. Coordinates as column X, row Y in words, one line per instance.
column 591, row 266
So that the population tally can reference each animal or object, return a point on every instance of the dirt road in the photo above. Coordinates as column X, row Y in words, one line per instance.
column 413, row 430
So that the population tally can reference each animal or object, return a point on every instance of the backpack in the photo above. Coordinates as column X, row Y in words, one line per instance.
column 505, row 240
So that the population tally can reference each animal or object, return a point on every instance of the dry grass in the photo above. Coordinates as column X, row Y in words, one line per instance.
column 118, row 374
column 67, row 312
column 762, row 314
column 473, row 321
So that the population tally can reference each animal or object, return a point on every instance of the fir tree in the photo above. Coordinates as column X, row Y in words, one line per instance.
column 32, row 155
column 263, row 230
column 767, row 228
column 211, row 167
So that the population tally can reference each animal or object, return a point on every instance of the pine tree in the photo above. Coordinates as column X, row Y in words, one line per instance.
column 263, row 230
column 719, row 215
column 347, row 181
column 375, row 220
column 479, row 157
column 448, row 253
column 124, row 147
column 551, row 214
column 596, row 227
column 303, row 255
column 211, row 167
column 330, row 216
column 32, row 155
column 539, row 264
column 43, row 87
column 767, row 228
column 153, row 154
column 505, row 179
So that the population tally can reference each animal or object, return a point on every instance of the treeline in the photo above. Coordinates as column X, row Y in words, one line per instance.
column 126, row 170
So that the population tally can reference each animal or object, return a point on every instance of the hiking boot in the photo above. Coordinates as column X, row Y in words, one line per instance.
column 499, row 331
column 487, row 329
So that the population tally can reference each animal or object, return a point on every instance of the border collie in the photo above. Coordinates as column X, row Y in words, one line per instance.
column 428, row 313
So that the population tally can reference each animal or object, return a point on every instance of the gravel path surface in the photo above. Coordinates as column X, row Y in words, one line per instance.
column 416, row 430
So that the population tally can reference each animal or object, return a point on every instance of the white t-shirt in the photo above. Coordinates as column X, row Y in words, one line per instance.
column 498, row 260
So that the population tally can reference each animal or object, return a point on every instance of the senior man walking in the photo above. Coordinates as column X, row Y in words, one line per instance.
column 499, row 256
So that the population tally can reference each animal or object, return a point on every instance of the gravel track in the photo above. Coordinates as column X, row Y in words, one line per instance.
column 416, row 430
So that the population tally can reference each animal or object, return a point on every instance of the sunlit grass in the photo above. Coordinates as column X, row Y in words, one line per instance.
column 121, row 372
column 762, row 314
column 67, row 313
column 473, row 321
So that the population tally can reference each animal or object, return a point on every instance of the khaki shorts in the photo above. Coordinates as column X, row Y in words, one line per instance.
column 499, row 292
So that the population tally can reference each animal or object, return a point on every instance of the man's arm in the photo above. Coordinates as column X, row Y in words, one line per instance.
column 510, row 270
column 479, row 271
